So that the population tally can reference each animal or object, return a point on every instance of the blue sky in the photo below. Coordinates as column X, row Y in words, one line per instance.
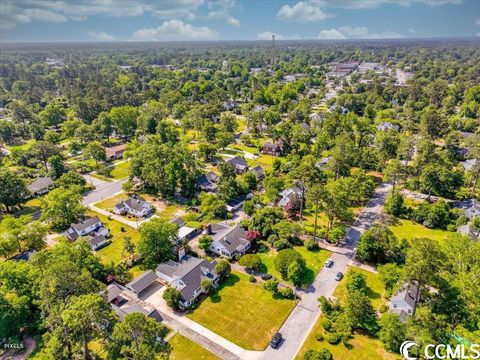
column 172, row 20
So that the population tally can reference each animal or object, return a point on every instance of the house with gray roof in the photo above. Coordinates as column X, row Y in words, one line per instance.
column 184, row 232
column 228, row 241
column 404, row 302
column 239, row 164
column 142, row 282
column 470, row 207
column 123, row 305
column 289, row 195
column 469, row 230
column 258, row 172
column 272, row 149
column 135, row 205
column 320, row 165
column 208, row 182
column 186, row 276
column 98, row 242
column 41, row 186
column 91, row 226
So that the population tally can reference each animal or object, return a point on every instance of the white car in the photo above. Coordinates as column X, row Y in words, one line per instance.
column 329, row 263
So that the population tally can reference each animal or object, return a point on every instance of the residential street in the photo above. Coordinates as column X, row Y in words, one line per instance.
column 103, row 190
column 302, row 319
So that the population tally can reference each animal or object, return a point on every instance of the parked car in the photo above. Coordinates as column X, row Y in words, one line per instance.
column 276, row 340
column 329, row 263
column 266, row 276
column 339, row 276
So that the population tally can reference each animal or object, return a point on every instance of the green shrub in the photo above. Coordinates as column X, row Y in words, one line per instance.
column 311, row 245
column 252, row 279
column 333, row 338
column 286, row 292
column 327, row 324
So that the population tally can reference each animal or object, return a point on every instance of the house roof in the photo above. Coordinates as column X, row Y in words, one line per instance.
column 232, row 238
column 178, row 221
column 78, row 227
column 258, row 170
column 97, row 240
column 188, row 273
column 113, row 291
column 143, row 281
column 238, row 161
column 40, row 183
column 134, row 202
column 272, row 146
column 115, row 150
column 408, row 293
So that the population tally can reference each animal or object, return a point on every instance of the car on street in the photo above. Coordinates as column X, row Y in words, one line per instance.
column 339, row 276
column 329, row 263
column 276, row 340
column 266, row 276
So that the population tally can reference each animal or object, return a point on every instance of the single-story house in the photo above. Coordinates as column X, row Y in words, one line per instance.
column 91, row 226
column 208, row 182
column 115, row 152
column 184, row 232
column 323, row 162
column 272, row 149
column 235, row 204
column 239, row 164
column 123, row 305
column 41, row 186
column 135, row 206
column 404, row 302
column 142, row 282
column 470, row 207
column 186, row 276
column 228, row 241
column 97, row 242
column 258, row 172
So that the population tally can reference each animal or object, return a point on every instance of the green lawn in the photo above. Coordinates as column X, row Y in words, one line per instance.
column 121, row 170
column 375, row 287
column 406, row 229
column 29, row 207
column 360, row 346
column 243, row 312
column 24, row 146
column 113, row 251
column 314, row 260
column 109, row 203
column 184, row 348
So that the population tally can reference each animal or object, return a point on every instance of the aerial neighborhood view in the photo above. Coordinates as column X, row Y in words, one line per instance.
column 239, row 179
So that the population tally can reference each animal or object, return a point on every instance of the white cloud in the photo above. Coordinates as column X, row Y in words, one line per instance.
column 267, row 35
column 222, row 9
column 174, row 30
column 332, row 34
column 13, row 12
column 348, row 32
column 370, row 4
column 101, row 36
column 303, row 11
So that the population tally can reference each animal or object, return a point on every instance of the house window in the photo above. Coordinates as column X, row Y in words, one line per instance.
column 409, row 311
column 394, row 306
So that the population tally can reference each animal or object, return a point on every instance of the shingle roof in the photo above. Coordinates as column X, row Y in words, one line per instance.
column 232, row 238
column 97, row 240
column 85, row 224
column 143, row 281
column 409, row 294
column 238, row 161
column 178, row 221
column 40, row 183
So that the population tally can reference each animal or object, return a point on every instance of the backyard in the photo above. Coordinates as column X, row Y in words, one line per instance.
column 360, row 346
column 114, row 251
column 235, row 309
column 313, row 259
column 406, row 229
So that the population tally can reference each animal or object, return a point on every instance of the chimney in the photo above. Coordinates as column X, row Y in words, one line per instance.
column 208, row 229
column 181, row 253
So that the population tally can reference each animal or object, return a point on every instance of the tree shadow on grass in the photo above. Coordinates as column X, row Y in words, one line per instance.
column 373, row 295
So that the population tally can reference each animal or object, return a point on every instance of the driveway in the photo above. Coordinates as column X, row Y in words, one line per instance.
column 302, row 319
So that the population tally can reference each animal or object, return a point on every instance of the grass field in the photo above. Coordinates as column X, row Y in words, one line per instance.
column 24, row 146
column 113, row 251
column 360, row 346
column 406, row 229
column 121, row 170
column 313, row 259
column 243, row 312
column 184, row 348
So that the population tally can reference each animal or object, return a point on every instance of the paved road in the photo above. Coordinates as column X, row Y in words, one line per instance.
column 302, row 319
column 103, row 190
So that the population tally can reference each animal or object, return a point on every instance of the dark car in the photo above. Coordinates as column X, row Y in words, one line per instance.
column 339, row 276
column 276, row 340
column 266, row 276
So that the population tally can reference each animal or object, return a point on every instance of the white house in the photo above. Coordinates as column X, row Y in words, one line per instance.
column 404, row 302
column 186, row 276
column 91, row 226
column 228, row 241
column 135, row 205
